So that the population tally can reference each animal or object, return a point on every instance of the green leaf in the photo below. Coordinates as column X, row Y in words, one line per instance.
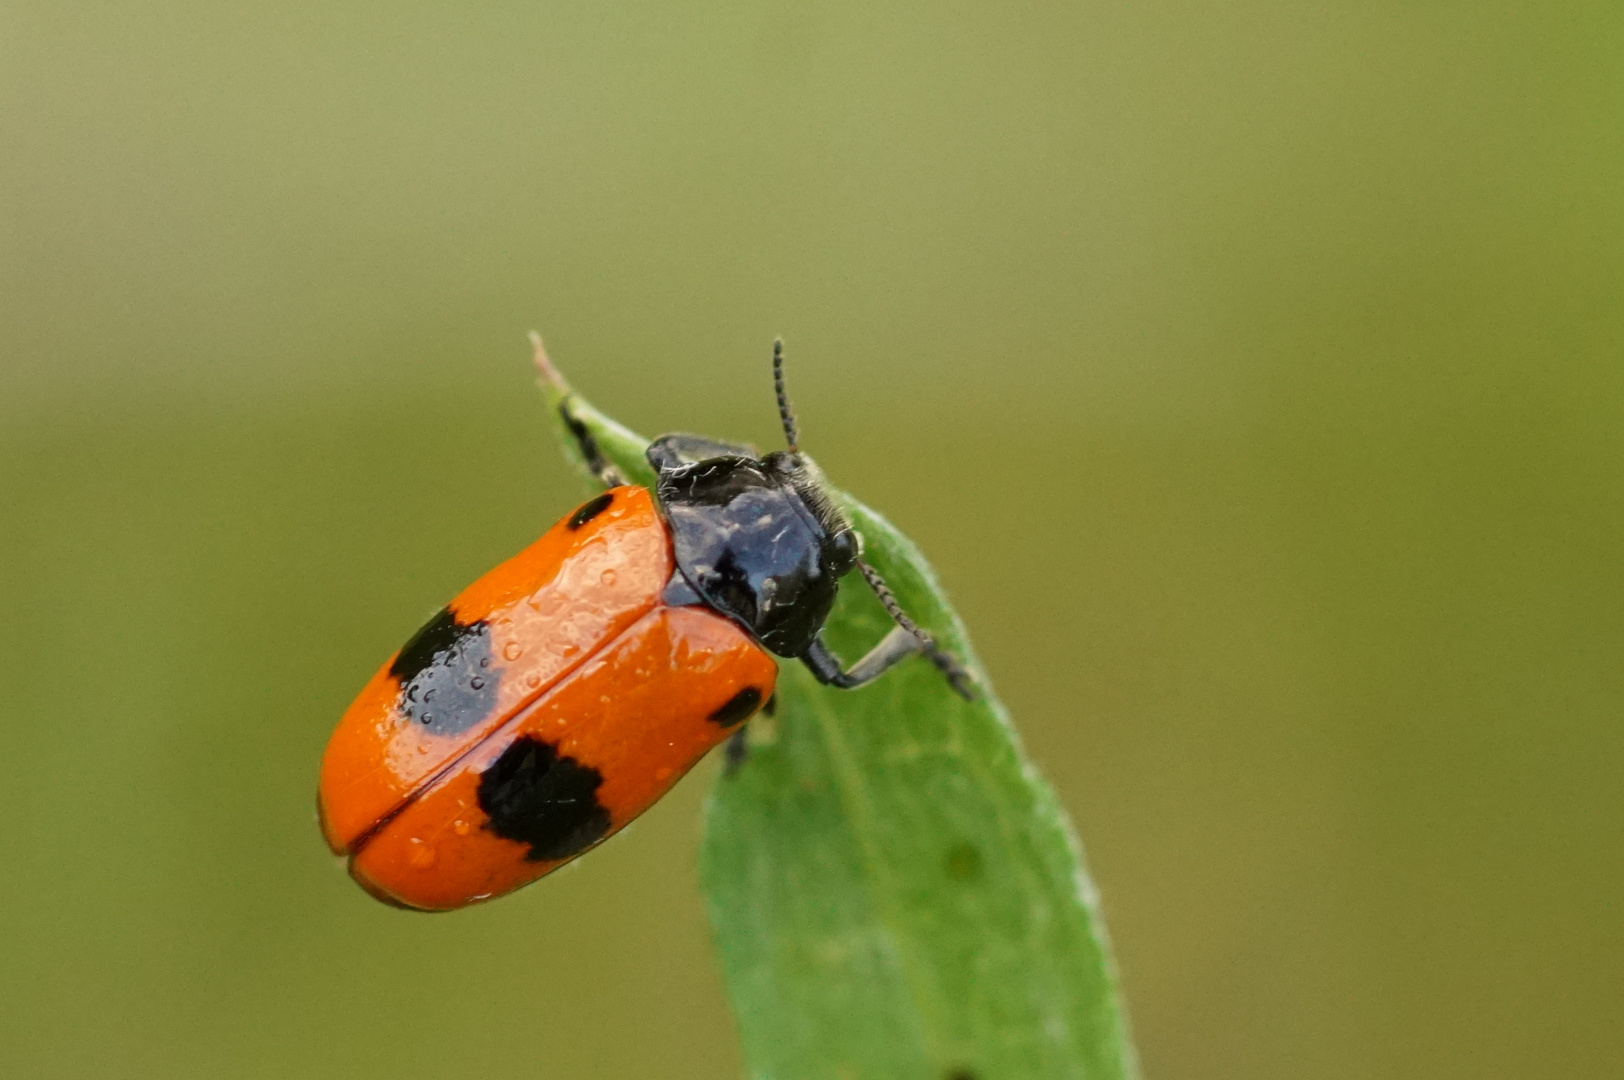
column 895, row 891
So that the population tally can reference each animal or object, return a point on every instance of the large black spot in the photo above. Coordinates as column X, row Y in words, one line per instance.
column 435, row 636
column 446, row 679
column 590, row 510
column 536, row 797
column 738, row 707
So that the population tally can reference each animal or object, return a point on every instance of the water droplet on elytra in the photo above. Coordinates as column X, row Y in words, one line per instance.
column 512, row 651
column 477, row 683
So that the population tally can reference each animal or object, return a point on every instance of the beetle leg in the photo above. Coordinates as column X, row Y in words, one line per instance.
column 901, row 643
column 607, row 474
column 736, row 751
column 945, row 662
column 827, row 668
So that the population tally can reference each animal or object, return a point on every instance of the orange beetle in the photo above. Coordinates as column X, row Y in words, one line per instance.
column 560, row 695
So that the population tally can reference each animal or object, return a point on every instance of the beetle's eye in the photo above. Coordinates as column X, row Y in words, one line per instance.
column 843, row 551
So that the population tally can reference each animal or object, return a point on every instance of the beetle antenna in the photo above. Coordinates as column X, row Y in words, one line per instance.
column 785, row 412
column 958, row 678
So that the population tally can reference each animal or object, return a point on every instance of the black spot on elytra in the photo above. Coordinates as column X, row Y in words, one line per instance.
column 590, row 510
column 435, row 636
column 739, row 707
column 534, row 796
column 447, row 682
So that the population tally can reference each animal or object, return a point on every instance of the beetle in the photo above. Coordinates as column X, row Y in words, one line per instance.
column 561, row 694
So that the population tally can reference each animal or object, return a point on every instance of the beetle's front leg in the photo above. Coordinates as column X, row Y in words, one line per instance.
column 905, row 639
column 827, row 668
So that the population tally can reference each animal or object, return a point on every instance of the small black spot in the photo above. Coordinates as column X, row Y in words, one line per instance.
column 590, row 510
column 444, row 674
column 739, row 707
column 534, row 796
column 963, row 861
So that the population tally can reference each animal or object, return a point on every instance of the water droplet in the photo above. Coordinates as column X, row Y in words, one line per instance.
column 461, row 828
column 476, row 683
column 421, row 856
column 484, row 661
column 532, row 680
column 428, row 697
column 512, row 651
column 607, row 577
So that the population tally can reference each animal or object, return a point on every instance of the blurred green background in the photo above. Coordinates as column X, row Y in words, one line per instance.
column 1251, row 372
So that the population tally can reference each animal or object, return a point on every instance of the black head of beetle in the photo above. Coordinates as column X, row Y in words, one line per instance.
column 757, row 539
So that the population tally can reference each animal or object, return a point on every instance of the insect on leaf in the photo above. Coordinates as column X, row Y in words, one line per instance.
column 895, row 893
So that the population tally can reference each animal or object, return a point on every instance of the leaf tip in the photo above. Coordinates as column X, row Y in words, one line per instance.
column 550, row 377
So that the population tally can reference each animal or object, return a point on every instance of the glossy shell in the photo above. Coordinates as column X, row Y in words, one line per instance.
column 756, row 538
column 548, row 705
